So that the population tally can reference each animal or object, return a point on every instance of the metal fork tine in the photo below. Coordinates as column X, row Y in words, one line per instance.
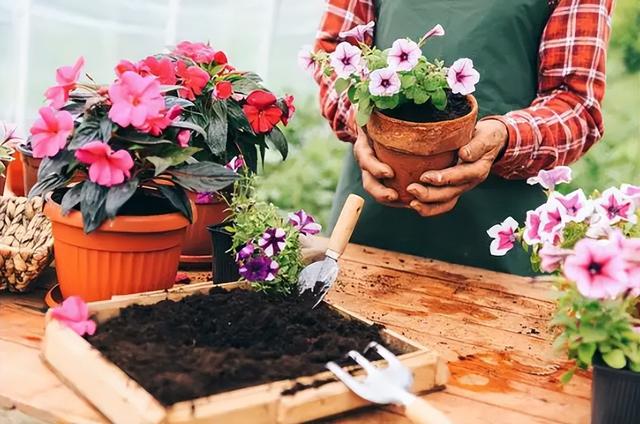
column 363, row 362
column 385, row 353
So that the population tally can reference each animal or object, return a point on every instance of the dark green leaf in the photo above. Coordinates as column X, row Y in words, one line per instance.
column 119, row 195
column 178, row 198
column 171, row 156
column 217, row 128
column 237, row 118
column 190, row 126
column 250, row 154
column 245, row 85
column 92, row 205
column 171, row 101
column 139, row 138
column 203, row 176
column 106, row 129
column 161, row 164
column 71, row 198
column 88, row 131
column 279, row 141
column 47, row 184
column 75, row 107
column 57, row 164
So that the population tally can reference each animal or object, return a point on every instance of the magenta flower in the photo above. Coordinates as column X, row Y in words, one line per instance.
column 135, row 99
column 597, row 268
column 630, row 249
column 205, row 198
column 504, row 236
column 183, row 138
column 154, row 125
column 260, row 268
column 384, row 82
column 304, row 223
column 74, row 313
column 306, row 61
column 359, row 33
column 50, row 132
column 245, row 253
column 346, row 59
column 552, row 257
column 462, row 77
column 531, row 233
column 403, row 55
column 576, row 207
column 106, row 167
column 236, row 163
column 198, row 52
column 549, row 179
column 552, row 222
column 66, row 77
column 614, row 206
column 272, row 241
column 436, row 31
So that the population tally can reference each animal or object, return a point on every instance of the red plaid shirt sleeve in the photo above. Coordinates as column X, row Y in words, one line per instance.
column 564, row 120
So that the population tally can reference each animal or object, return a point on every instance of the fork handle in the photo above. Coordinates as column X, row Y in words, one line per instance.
column 419, row 411
column 345, row 225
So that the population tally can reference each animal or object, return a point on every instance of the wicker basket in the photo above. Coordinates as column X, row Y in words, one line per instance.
column 26, row 243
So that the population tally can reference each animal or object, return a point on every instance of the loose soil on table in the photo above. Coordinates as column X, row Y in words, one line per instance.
column 457, row 106
column 207, row 344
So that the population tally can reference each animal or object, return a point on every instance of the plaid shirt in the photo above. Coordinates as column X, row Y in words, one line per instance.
column 559, row 126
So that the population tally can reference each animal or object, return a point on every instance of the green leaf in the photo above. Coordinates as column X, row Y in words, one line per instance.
column 178, row 198
column 106, row 129
column 386, row 102
column 161, row 164
column 407, row 81
column 217, row 129
column 586, row 351
column 47, row 184
column 58, row 164
column 592, row 334
column 277, row 138
column 189, row 126
column 89, row 130
column 245, row 85
column 172, row 156
column 140, row 138
column 119, row 195
column 363, row 115
column 237, row 118
column 203, row 176
column 341, row 85
column 171, row 101
column 567, row 376
column 71, row 198
column 615, row 359
column 421, row 97
column 439, row 99
column 92, row 205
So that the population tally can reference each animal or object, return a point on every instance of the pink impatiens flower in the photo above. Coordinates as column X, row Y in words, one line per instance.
column 576, row 206
column 198, row 52
column 306, row 61
column 384, row 82
column 304, row 223
column 552, row 257
column 359, row 33
column 597, row 268
column 549, row 179
column 106, row 167
column 236, row 163
column 74, row 313
column 436, row 31
column 403, row 55
column 346, row 59
column 154, row 125
column 66, row 77
column 50, row 132
column 163, row 69
column 183, row 138
column 614, row 206
column 193, row 80
column 462, row 77
column 504, row 236
column 135, row 99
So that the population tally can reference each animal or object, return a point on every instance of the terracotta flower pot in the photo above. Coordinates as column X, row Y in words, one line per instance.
column 15, row 175
column 411, row 148
column 29, row 168
column 128, row 254
column 197, row 244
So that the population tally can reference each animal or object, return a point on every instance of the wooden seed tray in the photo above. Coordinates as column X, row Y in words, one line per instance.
column 123, row 400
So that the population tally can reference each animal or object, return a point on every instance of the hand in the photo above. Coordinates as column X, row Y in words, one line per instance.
column 373, row 171
column 440, row 190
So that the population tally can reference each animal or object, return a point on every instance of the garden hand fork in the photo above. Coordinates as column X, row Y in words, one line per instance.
column 388, row 385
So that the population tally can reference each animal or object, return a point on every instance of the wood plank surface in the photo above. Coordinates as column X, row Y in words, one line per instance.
column 491, row 327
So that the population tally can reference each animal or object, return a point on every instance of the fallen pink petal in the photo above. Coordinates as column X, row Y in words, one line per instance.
column 74, row 313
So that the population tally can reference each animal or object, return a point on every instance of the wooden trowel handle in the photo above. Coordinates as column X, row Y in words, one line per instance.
column 346, row 223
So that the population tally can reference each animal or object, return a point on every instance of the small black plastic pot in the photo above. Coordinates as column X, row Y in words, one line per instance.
column 615, row 395
column 224, row 268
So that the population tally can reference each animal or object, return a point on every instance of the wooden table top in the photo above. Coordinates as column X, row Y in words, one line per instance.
column 491, row 327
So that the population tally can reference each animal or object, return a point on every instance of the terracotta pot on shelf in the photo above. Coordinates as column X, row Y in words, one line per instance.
column 30, row 166
column 128, row 254
column 411, row 148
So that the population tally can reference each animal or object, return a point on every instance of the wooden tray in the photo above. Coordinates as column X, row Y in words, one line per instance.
column 123, row 400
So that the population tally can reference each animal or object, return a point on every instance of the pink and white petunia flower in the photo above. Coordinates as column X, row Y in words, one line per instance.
column 551, row 178
column 462, row 77
column 552, row 222
column 236, row 163
column 384, row 82
column 106, row 167
column 552, row 257
column 66, row 77
column 599, row 227
column 272, row 241
column 614, row 206
column 630, row 248
column 631, row 191
column 74, row 313
column 576, row 206
column 359, row 33
column 597, row 268
column 304, row 223
column 504, row 236
column 50, row 132
column 531, row 234
column 346, row 59
column 306, row 61
column 403, row 55
column 436, row 31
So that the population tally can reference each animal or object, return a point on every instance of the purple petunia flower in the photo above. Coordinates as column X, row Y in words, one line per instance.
column 304, row 223
column 245, row 253
column 360, row 32
column 404, row 55
column 346, row 59
column 272, row 241
column 260, row 268
column 205, row 198
column 384, row 82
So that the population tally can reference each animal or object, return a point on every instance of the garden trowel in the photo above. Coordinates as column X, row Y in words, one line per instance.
column 319, row 276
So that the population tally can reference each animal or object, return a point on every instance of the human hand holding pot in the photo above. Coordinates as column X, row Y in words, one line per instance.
column 439, row 191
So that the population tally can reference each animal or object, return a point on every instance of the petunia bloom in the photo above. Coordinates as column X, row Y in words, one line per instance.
column 50, row 132
column 462, row 77
column 403, row 55
column 66, row 77
column 155, row 124
column 359, row 32
column 272, row 241
column 552, row 257
column 531, row 234
column 246, row 252
column 576, row 207
column 236, row 163
column 183, row 138
column 630, row 252
column 291, row 109
column 306, row 61
column 74, row 313
column 597, row 268
column 384, row 82
column 436, row 31
column 551, row 178
column 260, row 268
column 504, row 236
column 346, row 59
column 135, row 99
column 106, row 167
column 552, row 221
column 304, row 223
column 261, row 111
column 632, row 192
column 198, row 52
column 193, row 80
column 614, row 206
column 223, row 90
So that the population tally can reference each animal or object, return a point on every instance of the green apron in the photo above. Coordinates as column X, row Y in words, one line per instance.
column 502, row 37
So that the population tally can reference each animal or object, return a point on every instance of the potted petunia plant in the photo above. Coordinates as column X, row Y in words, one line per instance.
column 225, row 113
column 417, row 112
column 117, row 170
column 591, row 244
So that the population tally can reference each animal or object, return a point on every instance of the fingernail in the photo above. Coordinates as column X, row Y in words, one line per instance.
column 414, row 205
column 467, row 152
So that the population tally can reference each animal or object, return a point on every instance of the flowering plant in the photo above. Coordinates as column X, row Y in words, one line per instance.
column 266, row 244
column 386, row 79
column 592, row 245
column 8, row 140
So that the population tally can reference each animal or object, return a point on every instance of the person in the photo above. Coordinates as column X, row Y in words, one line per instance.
column 542, row 67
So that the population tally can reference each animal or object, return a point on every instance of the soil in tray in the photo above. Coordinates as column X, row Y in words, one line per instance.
column 457, row 106
column 207, row 344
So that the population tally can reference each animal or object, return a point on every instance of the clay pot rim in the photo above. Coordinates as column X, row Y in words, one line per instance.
column 121, row 223
column 470, row 98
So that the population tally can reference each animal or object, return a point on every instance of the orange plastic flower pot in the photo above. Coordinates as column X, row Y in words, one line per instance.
column 15, row 178
column 129, row 254
column 197, row 242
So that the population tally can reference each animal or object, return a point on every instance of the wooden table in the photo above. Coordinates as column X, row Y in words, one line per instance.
column 491, row 327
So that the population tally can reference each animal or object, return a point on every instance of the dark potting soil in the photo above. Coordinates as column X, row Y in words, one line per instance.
column 207, row 344
column 142, row 203
column 457, row 106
